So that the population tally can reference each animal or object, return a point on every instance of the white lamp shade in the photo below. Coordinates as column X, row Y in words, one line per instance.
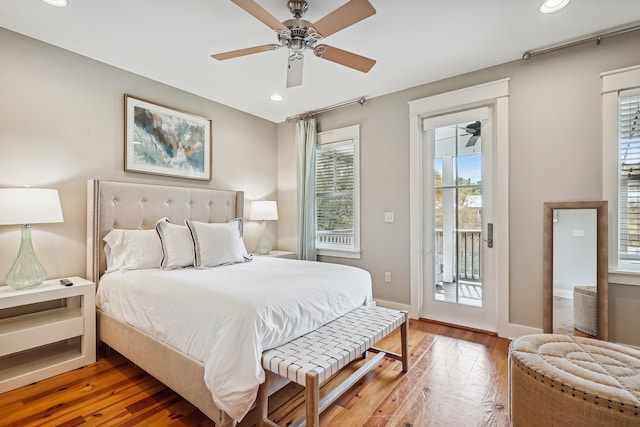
column 264, row 210
column 29, row 206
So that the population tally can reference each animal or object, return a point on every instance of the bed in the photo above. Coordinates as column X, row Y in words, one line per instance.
column 199, row 359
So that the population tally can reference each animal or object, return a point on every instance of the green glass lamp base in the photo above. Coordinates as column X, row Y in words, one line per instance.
column 264, row 245
column 26, row 271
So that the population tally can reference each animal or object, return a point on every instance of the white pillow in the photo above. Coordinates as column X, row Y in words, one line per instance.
column 238, row 223
column 177, row 246
column 132, row 249
column 216, row 244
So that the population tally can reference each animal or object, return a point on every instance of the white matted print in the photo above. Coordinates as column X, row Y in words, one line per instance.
column 162, row 141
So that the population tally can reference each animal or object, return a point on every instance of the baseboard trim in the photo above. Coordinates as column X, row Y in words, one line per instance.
column 512, row 331
column 563, row 293
column 392, row 305
column 509, row 330
column 464, row 328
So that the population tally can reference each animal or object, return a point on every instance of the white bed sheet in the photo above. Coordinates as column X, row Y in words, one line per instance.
column 227, row 316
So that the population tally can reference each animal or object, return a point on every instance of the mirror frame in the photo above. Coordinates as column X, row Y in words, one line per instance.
column 602, row 261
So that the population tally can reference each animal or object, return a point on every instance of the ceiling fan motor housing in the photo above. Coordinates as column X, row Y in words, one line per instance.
column 298, row 37
column 297, row 7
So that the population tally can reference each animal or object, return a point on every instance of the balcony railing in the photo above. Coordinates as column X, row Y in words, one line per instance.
column 469, row 255
column 335, row 238
column 469, row 259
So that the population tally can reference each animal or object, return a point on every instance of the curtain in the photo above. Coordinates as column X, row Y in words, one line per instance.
column 306, row 200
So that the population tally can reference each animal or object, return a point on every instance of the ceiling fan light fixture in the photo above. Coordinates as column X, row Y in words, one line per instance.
column 56, row 3
column 551, row 6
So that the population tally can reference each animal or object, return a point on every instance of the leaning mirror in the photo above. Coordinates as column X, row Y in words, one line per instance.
column 589, row 294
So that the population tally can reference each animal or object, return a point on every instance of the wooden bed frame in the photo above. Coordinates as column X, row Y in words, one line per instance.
column 138, row 206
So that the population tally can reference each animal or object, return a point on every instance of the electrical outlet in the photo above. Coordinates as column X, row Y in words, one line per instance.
column 387, row 276
column 389, row 217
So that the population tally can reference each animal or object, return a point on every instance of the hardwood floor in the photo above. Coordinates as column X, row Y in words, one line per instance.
column 457, row 378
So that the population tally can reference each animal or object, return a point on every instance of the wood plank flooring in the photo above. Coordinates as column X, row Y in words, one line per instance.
column 457, row 378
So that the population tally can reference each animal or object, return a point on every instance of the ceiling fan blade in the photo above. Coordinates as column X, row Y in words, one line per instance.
column 343, row 57
column 294, row 70
column 265, row 17
column 243, row 52
column 344, row 16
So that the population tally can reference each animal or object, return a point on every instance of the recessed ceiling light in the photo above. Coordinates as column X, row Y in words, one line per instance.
column 551, row 6
column 57, row 3
column 277, row 97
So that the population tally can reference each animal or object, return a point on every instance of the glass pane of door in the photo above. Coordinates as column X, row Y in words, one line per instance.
column 457, row 214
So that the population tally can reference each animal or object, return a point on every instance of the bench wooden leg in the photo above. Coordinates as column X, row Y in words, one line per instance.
column 403, row 356
column 262, row 405
column 312, row 399
column 404, row 339
column 262, row 402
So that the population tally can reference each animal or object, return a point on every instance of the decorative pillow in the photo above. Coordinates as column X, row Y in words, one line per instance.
column 239, row 224
column 177, row 246
column 216, row 244
column 132, row 249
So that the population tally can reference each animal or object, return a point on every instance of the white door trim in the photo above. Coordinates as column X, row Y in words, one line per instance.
column 493, row 93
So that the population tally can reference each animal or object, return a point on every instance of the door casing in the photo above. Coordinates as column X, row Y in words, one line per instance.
column 494, row 94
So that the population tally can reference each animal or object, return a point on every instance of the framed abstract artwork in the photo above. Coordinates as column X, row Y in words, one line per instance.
column 163, row 141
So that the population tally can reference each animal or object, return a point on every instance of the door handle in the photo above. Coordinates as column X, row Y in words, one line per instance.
column 489, row 235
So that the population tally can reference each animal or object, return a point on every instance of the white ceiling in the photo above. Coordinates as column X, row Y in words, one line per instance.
column 413, row 41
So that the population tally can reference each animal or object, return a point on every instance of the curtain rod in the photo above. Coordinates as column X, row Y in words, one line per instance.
column 308, row 114
column 598, row 38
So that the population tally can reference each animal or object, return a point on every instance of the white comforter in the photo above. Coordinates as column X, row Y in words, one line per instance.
column 226, row 317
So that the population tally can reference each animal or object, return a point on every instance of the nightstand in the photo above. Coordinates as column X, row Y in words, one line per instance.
column 46, row 331
column 280, row 254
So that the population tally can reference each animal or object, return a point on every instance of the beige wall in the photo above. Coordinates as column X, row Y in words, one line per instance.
column 287, row 187
column 61, row 123
column 554, row 155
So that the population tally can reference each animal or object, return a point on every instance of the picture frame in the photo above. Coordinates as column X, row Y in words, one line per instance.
column 161, row 140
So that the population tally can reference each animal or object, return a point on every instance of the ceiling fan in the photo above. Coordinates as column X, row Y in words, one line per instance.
column 299, row 35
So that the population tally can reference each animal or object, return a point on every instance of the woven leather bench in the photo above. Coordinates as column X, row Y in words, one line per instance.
column 315, row 357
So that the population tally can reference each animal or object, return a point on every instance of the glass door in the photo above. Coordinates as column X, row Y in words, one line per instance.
column 457, row 185
column 459, row 285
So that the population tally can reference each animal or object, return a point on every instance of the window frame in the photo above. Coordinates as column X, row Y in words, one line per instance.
column 613, row 83
column 349, row 133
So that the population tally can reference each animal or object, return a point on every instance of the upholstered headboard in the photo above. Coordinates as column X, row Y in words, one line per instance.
column 139, row 206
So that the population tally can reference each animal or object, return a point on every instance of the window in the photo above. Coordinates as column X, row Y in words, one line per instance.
column 629, row 176
column 338, row 193
column 621, row 169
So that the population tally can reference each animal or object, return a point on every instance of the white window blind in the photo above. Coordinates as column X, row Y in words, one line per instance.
column 338, row 192
column 629, row 175
column 335, row 195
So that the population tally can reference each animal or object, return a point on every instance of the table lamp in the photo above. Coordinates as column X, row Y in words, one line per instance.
column 264, row 210
column 28, row 206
